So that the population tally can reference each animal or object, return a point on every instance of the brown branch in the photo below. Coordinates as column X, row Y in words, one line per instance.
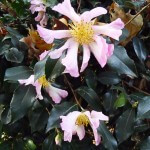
column 79, row 4
column 136, row 88
column 75, row 97
column 138, row 13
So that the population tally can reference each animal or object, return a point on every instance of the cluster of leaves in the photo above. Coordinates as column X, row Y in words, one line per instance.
column 120, row 90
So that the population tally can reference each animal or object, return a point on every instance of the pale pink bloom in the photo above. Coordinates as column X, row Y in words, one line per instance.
column 38, row 6
column 75, row 122
column 82, row 32
column 55, row 93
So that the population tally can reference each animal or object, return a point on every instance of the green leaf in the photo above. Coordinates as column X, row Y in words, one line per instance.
column 140, row 49
column 6, row 116
column 108, row 141
column 14, row 32
column 57, row 111
column 54, row 68
column 109, row 100
column 145, row 145
column 109, row 78
column 143, row 110
column 39, row 69
column 38, row 119
column 90, row 79
column 121, row 63
column 121, row 100
column 49, row 142
column 16, row 73
column 125, row 125
column 14, row 55
column 22, row 101
column 4, row 49
column 51, row 3
column 90, row 96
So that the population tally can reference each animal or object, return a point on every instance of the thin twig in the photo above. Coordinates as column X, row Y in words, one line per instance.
column 75, row 97
column 137, row 14
column 79, row 4
column 47, row 111
column 136, row 88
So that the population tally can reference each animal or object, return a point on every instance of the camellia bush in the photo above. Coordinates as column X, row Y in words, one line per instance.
column 74, row 75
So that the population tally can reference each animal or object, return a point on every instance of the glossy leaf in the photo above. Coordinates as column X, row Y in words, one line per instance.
column 140, row 49
column 143, row 108
column 109, row 141
column 125, row 125
column 109, row 78
column 22, row 101
column 16, row 73
column 145, row 145
column 121, row 63
column 90, row 96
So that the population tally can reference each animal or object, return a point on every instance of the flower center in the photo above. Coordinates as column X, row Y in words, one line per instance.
column 82, row 32
column 42, row 80
column 82, row 120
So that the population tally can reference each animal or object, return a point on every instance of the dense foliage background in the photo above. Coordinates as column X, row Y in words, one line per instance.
column 121, row 90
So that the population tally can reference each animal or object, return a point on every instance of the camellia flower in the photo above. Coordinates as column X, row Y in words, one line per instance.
column 75, row 123
column 39, row 6
column 55, row 93
column 82, row 32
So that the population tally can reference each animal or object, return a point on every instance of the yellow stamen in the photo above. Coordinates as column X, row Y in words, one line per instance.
column 82, row 120
column 42, row 80
column 82, row 32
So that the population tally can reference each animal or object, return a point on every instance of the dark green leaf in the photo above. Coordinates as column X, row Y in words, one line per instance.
column 145, row 145
column 49, row 143
column 14, row 55
column 38, row 119
column 16, row 73
column 121, row 63
column 109, row 141
column 109, row 78
column 22, row 101
column 51, row 3
column 144, row 108
column 57, row 111
column 90, row 96
column 4, row 49
column 6, row 116
column 90, row 79
column 140, row 49
column 108, row 100
column 14, row 32
column 121, row 100
column 125, row 125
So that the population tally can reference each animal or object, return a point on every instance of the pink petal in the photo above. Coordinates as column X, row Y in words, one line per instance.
column 40, row 8
column 58, row 52
column 110, row 50
column 28, row 81
column 66, row 9
column 39, row 16
column 70, row 61
column 38, row 87
column 36, row 2
column 50, row 35
column 44, row 54
column 80, row 132
column 86, row 57
column 68, row 125
column 96, row 136
column 99, row 115
column 112, row 30
column 98, row 50
column 44, row 20
column 89, row 15
column 56, row 94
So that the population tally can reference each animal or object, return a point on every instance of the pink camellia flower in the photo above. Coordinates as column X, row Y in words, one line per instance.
column 82, row 32
column 38, row 6
column 55, row 93
column 75, row 122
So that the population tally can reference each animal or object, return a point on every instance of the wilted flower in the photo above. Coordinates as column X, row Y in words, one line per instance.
column 39, row 6
column 82, row 32
column 75, row 123
column 55, row 93
column 36, row 44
